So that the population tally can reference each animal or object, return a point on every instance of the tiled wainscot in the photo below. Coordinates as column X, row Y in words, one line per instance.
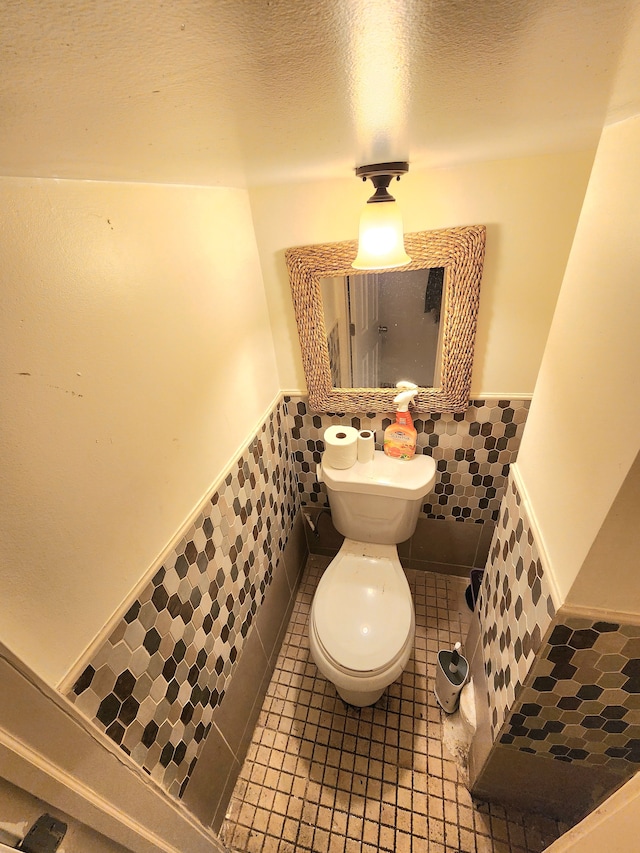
column 558, row 691
column 473, row 451
column 179, row 680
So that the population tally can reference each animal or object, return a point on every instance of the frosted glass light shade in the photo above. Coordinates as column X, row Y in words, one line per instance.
column 381, row 239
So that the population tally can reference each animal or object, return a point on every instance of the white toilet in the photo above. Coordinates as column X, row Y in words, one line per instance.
column 362, row 621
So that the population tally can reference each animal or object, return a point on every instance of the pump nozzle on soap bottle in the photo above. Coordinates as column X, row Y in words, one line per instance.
column 400, row 437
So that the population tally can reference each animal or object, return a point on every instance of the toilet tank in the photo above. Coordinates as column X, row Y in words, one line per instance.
column 378, row 501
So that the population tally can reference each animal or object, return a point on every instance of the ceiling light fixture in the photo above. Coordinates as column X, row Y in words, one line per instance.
column 381, row 240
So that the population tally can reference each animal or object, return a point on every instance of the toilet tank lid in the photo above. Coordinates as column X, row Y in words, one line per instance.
column 407, row 479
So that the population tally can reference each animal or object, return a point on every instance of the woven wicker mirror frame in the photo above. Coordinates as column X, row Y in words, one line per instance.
column 460, row 251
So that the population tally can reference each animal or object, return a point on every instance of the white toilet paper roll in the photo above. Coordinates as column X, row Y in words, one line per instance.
column 366, row 445
column 341, row 446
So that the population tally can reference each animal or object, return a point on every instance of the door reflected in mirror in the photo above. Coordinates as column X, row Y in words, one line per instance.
column 383, row 327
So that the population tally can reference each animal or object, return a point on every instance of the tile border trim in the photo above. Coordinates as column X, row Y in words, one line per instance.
column 536, row 532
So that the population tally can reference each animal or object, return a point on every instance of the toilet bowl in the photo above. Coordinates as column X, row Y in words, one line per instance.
column 362, row 621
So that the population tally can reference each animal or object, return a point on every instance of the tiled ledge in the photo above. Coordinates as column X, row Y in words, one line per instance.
column 557, row 692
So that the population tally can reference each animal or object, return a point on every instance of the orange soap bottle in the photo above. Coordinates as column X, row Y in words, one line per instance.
column 400, row 437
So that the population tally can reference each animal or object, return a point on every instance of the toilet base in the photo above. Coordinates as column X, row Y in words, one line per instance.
column 359, row 699
column 468, row 708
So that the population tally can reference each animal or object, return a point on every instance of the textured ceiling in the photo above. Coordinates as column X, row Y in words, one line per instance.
column 240, row 92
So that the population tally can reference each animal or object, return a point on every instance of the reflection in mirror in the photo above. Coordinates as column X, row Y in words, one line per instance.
column 384, row 327
column 329, row 297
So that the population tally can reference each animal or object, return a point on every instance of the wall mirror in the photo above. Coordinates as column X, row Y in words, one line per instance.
column 384, row 326
column 360, row 332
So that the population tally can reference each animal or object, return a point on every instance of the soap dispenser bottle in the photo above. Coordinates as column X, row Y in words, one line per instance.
column 400, row 437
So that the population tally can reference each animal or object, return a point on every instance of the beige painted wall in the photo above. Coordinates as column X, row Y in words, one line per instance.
column 530, row 207
column 583, row 430
column 614, row 555
column 137, row 359
column 613, row 827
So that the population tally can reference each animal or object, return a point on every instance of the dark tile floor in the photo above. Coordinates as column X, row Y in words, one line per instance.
column 321, row 776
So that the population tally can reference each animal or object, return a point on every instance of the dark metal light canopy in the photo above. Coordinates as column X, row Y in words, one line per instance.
column 381, row 239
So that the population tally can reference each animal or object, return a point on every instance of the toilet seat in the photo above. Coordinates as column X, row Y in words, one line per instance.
column 355, row 673
column 362, row 611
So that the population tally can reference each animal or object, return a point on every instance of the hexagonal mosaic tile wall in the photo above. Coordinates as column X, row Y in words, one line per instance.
column 515, row 607
column 472, row 449
column 581, row 699
column 155, row 681
column 563, row 685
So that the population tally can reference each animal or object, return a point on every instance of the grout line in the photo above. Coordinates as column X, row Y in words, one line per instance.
column 309, row 751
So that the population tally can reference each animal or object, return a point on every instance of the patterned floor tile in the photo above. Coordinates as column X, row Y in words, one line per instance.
column 324, row 777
